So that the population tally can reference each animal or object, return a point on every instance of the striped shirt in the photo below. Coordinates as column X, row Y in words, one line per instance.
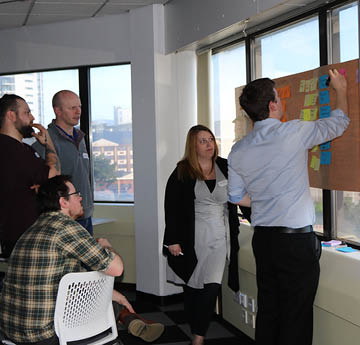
column 52, row 247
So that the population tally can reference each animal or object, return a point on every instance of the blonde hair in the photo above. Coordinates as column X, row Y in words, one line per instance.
column 188, row 166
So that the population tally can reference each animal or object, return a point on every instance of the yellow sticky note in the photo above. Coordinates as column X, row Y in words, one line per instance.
column 313, row 162
column 313, row 84
column 302, row 86
column 308, row 100
column 313, row 115
column 317, row 164
column 306, row 114
column 315, row 148
column 314, row 98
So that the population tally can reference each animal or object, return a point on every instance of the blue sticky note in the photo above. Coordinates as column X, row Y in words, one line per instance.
column 324, row 112
column 346, row 249
column 324, row 97
column 322, row 81
column 325, row 146
column 325, row 158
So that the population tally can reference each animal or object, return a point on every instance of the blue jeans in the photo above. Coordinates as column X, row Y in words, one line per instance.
column 87, row 224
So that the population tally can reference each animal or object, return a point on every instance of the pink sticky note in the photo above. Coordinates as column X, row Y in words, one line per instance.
column 342, row 71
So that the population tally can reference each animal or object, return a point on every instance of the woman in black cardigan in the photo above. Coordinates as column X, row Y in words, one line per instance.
column 201, row 228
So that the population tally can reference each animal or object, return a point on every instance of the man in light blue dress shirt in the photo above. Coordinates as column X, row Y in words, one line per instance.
column 268, row 169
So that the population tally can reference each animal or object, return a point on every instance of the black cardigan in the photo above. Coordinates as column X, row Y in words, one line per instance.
column 180, row 227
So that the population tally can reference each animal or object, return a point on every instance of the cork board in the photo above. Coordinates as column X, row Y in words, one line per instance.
column 332, row 165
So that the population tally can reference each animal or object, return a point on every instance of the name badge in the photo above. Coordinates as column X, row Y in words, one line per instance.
column 223, row 183
column 85, row 155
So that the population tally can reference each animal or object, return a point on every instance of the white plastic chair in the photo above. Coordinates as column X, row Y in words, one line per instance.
column 84, row 308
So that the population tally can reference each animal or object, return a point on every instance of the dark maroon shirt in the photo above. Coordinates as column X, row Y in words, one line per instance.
column 20, row 168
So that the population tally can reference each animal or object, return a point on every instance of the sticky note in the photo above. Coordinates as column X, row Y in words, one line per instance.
column 302, row 86
column 313, row 115
column 346, row 250
column 331, row 243
column 310, row 99
column 325, row 158
column 313, row 84
column 315, row 148
column 284, row 92
column 324, row 97
column 324, row 112
column 313, row 160
column 306, row 114
column 342, row 71
column 322, row 81
column 325, row 146
column 317, row 164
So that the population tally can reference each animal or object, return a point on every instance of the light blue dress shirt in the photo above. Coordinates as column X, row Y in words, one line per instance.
column 270, row 164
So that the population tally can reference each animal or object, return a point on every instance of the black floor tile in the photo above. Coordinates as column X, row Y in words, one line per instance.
column 178, row 316
column 177, row 331
column 172, row 334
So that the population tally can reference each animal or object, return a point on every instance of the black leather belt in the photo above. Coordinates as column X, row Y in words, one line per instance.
column 284, row 229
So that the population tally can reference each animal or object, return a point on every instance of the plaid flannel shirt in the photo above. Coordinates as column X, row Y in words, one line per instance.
column 52, row 247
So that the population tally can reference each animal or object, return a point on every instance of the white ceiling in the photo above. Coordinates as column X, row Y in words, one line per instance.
column 16, row 13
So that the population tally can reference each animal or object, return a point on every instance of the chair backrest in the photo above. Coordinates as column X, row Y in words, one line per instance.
column 84, row 308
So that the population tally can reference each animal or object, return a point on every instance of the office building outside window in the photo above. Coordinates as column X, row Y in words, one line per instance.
column 111, row 128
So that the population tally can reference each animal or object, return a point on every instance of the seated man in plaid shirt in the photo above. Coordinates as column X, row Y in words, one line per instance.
column 52, row 247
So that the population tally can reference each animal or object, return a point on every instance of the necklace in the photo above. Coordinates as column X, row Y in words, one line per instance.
column 206, row 175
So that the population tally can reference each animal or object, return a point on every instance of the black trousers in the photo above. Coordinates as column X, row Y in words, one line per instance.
column 199, row 306
column 287, row 274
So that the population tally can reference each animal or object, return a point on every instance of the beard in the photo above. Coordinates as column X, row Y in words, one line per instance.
column 26, row 131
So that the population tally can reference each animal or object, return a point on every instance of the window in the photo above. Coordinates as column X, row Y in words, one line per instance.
column 289, row 50
column 345, row 46
column 111, row 129
column 45, row 85
column 110, row 123
column 229, row 72
column 345, row 33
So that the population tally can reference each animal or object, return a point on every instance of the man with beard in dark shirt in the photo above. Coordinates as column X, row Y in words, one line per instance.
column 22, row 169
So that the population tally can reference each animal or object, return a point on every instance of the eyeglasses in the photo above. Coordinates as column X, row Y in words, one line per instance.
column 74, row 193
column 204, row 141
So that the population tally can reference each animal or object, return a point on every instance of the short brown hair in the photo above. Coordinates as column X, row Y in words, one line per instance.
column 256, row 97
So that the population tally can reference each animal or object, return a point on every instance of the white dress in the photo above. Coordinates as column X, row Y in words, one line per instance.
column 212, row 242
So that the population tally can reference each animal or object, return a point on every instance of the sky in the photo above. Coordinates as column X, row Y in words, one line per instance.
column 110, row 86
